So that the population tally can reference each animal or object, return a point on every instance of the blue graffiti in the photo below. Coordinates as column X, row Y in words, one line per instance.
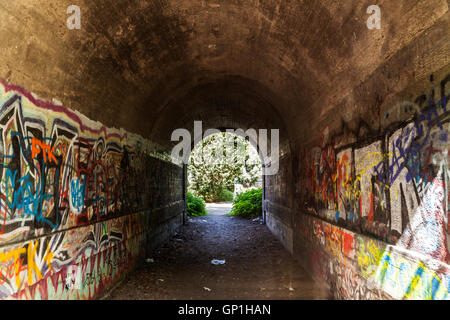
column 435, row 284
column 77, row 194
column 25, row 196
column 408, row 155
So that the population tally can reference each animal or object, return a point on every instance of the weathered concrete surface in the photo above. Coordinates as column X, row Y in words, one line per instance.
column 362, row 113
column 140, row 57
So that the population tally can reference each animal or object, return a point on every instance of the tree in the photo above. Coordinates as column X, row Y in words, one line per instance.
column 220, row 161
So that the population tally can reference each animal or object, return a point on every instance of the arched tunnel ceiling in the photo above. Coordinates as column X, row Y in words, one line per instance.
column 136, row 64
column 228, row 102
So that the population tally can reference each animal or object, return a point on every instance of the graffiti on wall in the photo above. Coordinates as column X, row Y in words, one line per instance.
column 359, row 267
column 394, row 187
column 378, row 211
column 74, row 196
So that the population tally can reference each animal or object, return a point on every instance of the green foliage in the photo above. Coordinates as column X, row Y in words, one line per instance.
column 226, row 196
column 195, row 206
column 248, row 204
column 212, row 180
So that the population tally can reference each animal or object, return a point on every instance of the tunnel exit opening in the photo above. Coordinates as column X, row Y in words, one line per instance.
column 225, row 171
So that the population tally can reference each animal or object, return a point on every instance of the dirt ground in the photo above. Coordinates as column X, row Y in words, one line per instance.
column 257, row 266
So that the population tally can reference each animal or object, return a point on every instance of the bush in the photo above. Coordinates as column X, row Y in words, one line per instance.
column 248, row 204
column 225, row 195
column 195, row 206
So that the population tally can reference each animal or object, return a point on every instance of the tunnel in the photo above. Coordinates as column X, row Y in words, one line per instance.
column 91, row 91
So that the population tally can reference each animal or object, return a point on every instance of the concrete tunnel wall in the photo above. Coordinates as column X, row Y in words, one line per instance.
column 374, row 208
column 81, row 203
column 361, row 198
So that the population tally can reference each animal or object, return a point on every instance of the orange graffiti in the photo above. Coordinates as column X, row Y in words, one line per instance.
column 37, row 146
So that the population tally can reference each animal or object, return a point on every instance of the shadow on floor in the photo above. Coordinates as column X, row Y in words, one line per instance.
column 257, row 266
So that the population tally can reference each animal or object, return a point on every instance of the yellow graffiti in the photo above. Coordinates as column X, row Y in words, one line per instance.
column 32, row 264
column 369, row 257
column 376, row 159
column 48, row 257
column 14, row 254
column 344, row 186
column 13, row 258
column 415, row 281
